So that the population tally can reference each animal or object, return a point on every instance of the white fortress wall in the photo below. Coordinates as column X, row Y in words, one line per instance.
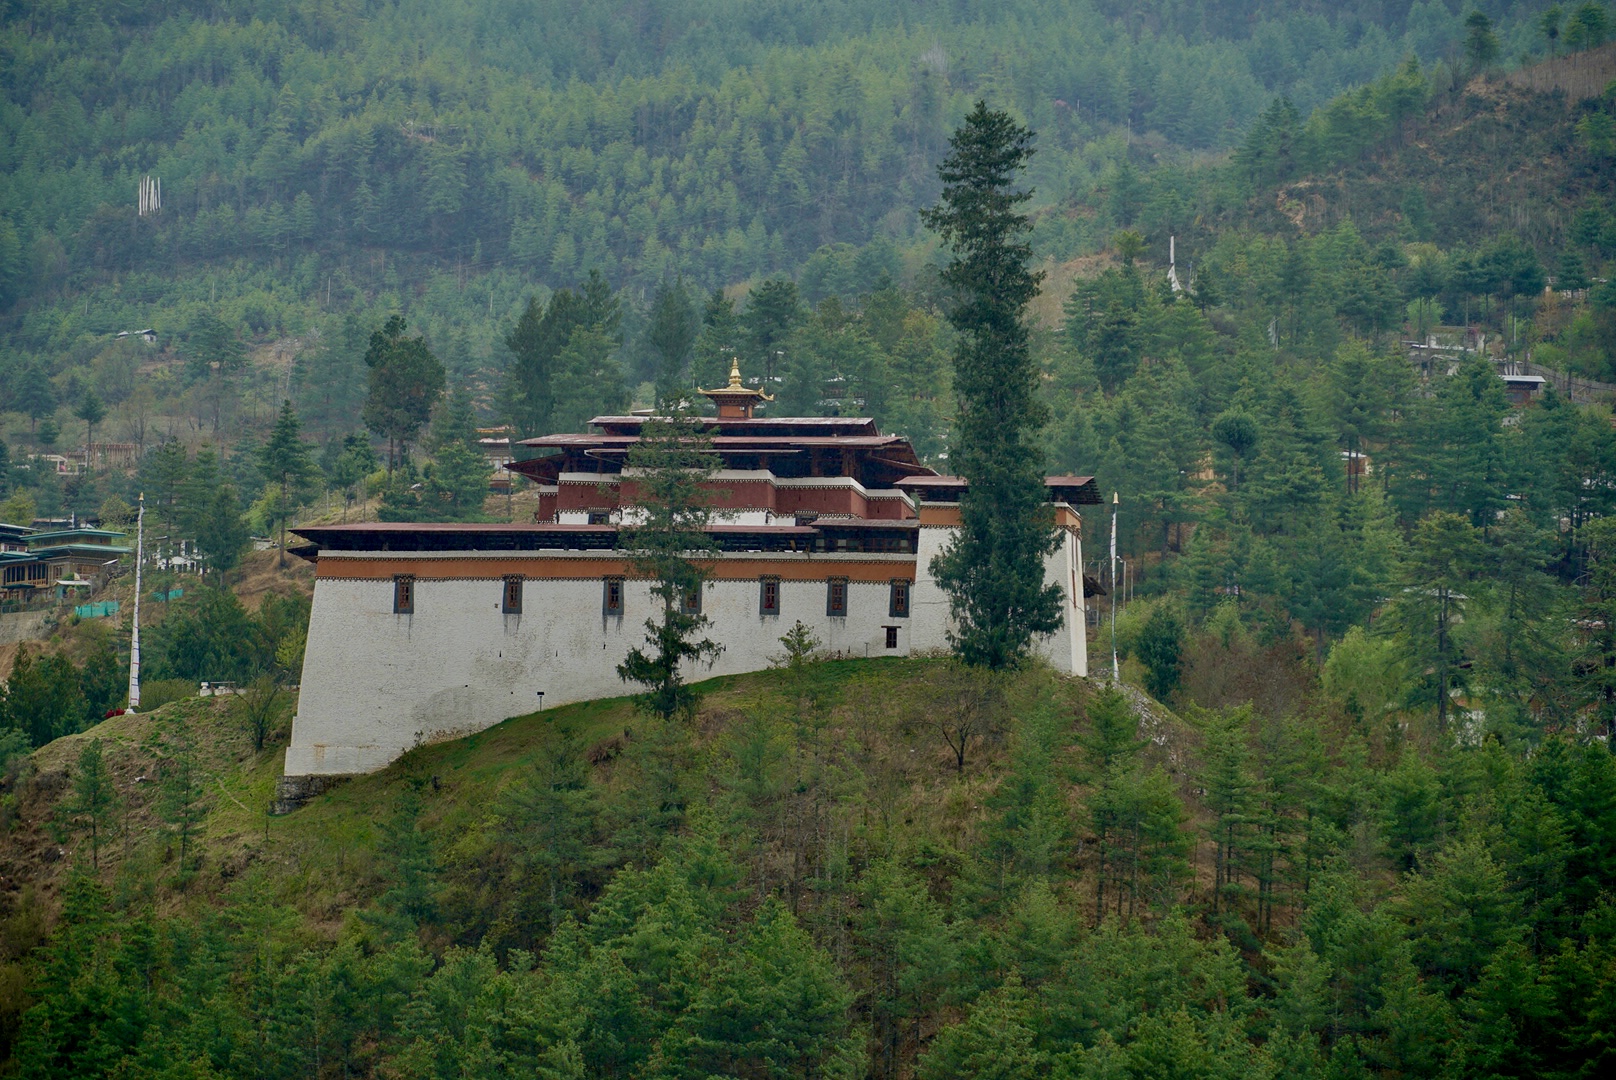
column 376, row 683
column 1066, row 649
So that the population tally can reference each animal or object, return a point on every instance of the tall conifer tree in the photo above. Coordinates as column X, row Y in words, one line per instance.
column 993, row 571
column 671, row 461
column 287, row 464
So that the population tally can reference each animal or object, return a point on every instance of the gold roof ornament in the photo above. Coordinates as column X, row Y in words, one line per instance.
column 736, row 399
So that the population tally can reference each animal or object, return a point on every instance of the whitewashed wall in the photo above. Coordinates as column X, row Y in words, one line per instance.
column 1066, row 650
column 375, row 684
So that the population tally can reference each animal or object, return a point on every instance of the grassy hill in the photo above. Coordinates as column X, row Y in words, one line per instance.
column 805, row 876
column 322, row 854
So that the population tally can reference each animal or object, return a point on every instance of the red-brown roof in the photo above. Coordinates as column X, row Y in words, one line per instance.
column 1079, row 490
column 750, row 443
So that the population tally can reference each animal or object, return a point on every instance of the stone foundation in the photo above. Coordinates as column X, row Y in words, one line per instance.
column 292, row 792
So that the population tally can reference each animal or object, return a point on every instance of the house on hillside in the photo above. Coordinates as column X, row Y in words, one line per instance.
column 421, row 632
column 14, row 537
column 495, row 443
column 60, row 562
column 112, row 455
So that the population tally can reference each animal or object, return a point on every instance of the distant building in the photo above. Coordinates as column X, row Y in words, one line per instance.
column 58, row 561
column 60, row 464
column 495, row 443
column 112, row 455
column 422, row 632
column 1523, row 389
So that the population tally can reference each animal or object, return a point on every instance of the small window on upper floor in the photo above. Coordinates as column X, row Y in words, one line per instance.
column 511, row 600
column 836, row 596
column 404, row 594
column 600, row 517
column 898, row 599
column 769, row 596
column 690, row 604
column 611, row 602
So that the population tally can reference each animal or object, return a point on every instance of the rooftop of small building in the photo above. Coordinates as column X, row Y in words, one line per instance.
column 71, row 535
column 1076, row 490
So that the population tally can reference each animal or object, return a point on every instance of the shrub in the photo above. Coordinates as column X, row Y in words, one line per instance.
column 159, row 692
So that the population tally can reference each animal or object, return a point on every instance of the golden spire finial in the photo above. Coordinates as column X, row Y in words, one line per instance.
column 735, row 373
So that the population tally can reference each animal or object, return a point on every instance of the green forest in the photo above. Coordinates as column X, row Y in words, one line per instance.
column 1350, row 809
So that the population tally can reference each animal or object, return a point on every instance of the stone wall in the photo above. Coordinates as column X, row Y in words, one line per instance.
column 375, row 683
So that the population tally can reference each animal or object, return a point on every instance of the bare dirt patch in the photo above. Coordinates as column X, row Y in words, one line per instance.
column 260, row 575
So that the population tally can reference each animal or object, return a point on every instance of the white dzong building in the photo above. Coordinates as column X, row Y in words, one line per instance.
column 423, row 632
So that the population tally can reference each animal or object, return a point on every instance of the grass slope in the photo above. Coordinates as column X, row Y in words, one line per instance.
column 869, row 732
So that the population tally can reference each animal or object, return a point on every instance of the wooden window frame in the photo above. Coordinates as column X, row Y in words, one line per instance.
column 836, row 597
column 611, row 606
column 899, row 597
column 892, row 636
column 403, row 594
column 767, row 584
column 510, row 599
column 690, row 602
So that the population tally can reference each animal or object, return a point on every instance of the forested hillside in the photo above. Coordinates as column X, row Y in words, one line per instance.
column 1351, row 811
column 802, row 883
column 315, row 155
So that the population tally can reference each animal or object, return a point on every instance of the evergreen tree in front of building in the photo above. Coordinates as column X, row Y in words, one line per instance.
column 667, row 469
column 993, row 570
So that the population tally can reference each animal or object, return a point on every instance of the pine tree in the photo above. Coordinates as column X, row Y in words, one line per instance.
column 94, row 797
column 287, row 464
column 1230, row 797
column 1443, row 554
column 670, row 464
column 717, row 342
column 993, row 568
column 459, row 477
column 773, row 311
column 673, row 335
column 1596, row 662
column 995, row 1042
column 406, row 381
column 221, row 532
column 182, row 803
column 92, row 412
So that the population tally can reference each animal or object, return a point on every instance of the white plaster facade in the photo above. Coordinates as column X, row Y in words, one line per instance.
column 375, row 683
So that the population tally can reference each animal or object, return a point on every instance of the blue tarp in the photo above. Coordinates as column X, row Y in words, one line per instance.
column 97, row 610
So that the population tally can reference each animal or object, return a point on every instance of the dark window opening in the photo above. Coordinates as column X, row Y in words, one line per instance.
column 403, row 595
column 611, row 603
column 600, row 517
column 892, row 637
column 898, row 602
column 512, row 604
column 769, row 596
column 690, row 603
column 836, row 596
